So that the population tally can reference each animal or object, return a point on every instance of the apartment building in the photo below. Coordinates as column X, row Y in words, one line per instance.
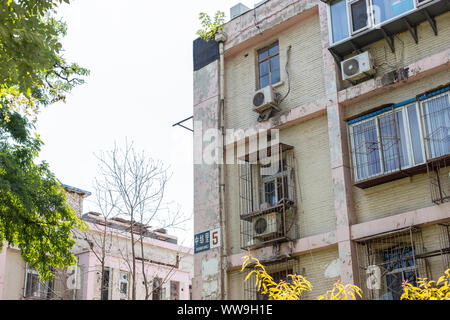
column 168, row 266
column 322, row 145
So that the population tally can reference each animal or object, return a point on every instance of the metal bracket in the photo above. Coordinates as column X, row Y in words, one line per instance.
column 389, row 39
column 412, row 30
column 431, row 21
column 180, row 124
column 337, row 58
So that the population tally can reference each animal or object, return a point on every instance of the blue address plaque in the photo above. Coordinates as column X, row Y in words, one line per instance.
column 206, row 240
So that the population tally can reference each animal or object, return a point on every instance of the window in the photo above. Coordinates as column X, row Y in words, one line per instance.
column 358, row 15
column 384, row 143
column 269, row 65
column 275, row 185
column 157, row 292
column 105, row 290
column 391, row 139
column 436, row 113
column 174, row 290
column 400, row 266
column 35, row 288
column 339, row 22
column 348, row 17
column 123, row 285
column 386, row 9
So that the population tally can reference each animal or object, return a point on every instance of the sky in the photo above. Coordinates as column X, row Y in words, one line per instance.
column 139, row 53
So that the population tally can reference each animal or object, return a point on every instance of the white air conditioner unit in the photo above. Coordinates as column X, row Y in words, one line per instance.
column 265, row 225
column 264, row 99
column 357, row 67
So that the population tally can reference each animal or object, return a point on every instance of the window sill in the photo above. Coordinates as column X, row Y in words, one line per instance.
column 278, row 84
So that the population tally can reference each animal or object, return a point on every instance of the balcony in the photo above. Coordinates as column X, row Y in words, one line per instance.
column 372, row 27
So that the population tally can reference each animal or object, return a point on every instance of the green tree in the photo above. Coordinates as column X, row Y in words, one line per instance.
column 210, row 27
column 34, row 214
column 33, row 71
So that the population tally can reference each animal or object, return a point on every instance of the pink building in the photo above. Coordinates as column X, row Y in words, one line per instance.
column 167, row 265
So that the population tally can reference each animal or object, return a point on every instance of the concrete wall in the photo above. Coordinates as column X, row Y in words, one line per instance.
column 305, row 69
column 406, row 50
column 333, row 213
column 14, row 275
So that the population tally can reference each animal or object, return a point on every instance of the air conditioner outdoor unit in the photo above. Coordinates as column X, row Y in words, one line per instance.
column 264, row 99
column 357, row 67
column 265, row 225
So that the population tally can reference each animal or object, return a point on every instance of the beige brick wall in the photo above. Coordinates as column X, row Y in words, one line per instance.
column 314, row 191
column 406, row 50
column 315, row 267
column 76, row 202
column 305, row 68
column 431, row 241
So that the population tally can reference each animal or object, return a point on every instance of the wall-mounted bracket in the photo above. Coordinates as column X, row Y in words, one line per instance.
column 412, row 30
column 431, row 21
column 389, row 39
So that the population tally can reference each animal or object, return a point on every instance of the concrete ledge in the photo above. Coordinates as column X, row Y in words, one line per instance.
column 419, row 217
column 424, row 216
column 413, row 72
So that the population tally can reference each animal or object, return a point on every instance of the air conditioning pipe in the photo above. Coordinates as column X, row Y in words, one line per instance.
column 221, row 38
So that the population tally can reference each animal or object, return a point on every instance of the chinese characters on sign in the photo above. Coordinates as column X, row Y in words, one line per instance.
column 207, row 240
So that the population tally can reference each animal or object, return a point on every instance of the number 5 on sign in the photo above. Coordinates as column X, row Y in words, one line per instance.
column 215, row 238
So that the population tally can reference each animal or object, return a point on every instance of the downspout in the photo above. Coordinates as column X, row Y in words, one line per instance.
column 221, row 38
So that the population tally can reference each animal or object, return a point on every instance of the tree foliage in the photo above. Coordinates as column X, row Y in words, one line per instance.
column 428, row 290
column 295, row 285
column 33, row 71
column 210, row 27
column 34, row 214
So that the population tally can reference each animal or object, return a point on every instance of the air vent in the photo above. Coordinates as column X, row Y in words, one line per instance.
column 265, row 225
column 264, row 99
column 351, row 67
column 357, row 67
column 258, row 99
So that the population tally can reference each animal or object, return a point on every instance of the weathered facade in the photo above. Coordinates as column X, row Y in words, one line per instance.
column 167, row 265
column 362, row 187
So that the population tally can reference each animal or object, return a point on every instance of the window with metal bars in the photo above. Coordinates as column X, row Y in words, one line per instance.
column 36, row 288
column 400, row 136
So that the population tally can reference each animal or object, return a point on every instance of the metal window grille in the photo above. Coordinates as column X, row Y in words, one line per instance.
column 278, row 270
column 268, row 200
column 386, row 260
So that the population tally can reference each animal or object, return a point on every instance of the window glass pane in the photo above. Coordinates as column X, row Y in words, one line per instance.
column 264, row 81
column 275, row 63
column 275, row 76
column 366, row 150
column 386, row 9
column 269, row 193
column 263, row 54
column 359, row 14
column 415, row 135
column 273, row 50
column 264, row 68
column 339, row 22
column 389, row 139
column 387, row 133
column 437, row 125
